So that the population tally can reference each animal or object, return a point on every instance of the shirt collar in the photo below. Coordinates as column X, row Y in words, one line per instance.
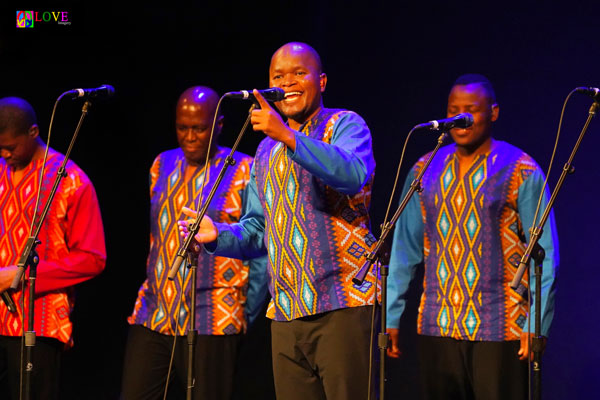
column 493, row 146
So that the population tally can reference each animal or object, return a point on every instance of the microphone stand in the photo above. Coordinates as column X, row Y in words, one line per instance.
column 184, row 250
column 382, row 338
column 192, row 334
column 534, row 247
column 30, row 258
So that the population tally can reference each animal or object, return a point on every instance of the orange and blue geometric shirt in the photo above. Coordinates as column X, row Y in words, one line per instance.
column 164, row 305
column 471, row 232
column 308, row 210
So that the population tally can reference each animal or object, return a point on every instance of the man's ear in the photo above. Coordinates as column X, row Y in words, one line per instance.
column 219, row 123
column 323, row 81
column 34, row 131
column 495, row 111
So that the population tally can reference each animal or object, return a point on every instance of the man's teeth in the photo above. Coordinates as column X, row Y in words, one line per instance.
column 292, row 94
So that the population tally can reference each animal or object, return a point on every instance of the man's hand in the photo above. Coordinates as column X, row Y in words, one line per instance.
column 524, row 350
column 394, row 343
column 7, row 274
column 208, row 231
column 266, row 119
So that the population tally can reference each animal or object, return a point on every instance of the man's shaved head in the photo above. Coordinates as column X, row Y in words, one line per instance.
column 298, row 48
column 198, row 97
column 17, row 115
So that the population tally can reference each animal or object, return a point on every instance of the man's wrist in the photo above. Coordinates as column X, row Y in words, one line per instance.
column 290, row 138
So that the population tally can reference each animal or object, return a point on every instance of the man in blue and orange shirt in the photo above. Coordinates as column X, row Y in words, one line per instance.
column 469, row 227
column 180, row 178
column 309, row 196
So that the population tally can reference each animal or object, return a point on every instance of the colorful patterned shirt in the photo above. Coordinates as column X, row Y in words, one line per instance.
column 221, row 282
column 72, row 242
column 471, row 233
column 309, row 212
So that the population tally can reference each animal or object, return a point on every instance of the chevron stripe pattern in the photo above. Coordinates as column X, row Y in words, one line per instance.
column 163, row 305
column 314, row 251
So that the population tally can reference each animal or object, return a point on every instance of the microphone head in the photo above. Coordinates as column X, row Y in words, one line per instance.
column 106, row 90
column 273, row 94
column 270, row 94
column 593, row 92
column 463, row 120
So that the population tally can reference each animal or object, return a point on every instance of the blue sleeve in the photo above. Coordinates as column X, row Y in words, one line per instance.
column 258, row 289
column 347, row 163
column 244, row 239
column 407, row 253
column 529, row 192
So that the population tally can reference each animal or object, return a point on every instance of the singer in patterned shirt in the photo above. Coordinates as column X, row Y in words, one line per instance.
column 71, row 251
column 469, row 227
column 162, row 310
column 309, row 196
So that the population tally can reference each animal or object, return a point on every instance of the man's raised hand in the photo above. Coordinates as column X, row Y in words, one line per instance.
column 269, row 121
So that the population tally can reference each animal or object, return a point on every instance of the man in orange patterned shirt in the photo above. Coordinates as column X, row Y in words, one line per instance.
column 71, row 251
column 179, row 178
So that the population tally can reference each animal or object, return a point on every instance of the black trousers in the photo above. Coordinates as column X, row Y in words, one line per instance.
column 325, row 356
column 459, row 369
column 146, row 363
column 46, row 358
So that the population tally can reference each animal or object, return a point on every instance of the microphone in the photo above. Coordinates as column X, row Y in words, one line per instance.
column 463, row 120
column 271, row 94
column 8, row 301
column 593, row 92
column 104, row 91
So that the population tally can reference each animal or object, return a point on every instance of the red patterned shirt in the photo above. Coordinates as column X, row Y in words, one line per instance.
column 72, row 242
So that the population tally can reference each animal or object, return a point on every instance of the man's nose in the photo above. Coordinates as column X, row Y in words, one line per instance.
column 190, row 136
column 289, row 79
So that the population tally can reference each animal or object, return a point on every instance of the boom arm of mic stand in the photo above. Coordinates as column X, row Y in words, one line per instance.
column 195, row 227
column 415, row 186
column 534, row 250
column 568, row 168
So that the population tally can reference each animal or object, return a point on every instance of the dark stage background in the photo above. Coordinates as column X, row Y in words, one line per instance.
column 393, row 63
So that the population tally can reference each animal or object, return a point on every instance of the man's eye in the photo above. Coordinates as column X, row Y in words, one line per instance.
column 277, row 77
column 300, row 73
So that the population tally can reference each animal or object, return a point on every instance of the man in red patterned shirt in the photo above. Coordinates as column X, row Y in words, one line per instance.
column 72, row 247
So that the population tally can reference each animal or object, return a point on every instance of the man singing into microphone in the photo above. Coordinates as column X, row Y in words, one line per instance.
column 308, row 210
column 71, row 250
column 178, row 178
column 469, row 227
